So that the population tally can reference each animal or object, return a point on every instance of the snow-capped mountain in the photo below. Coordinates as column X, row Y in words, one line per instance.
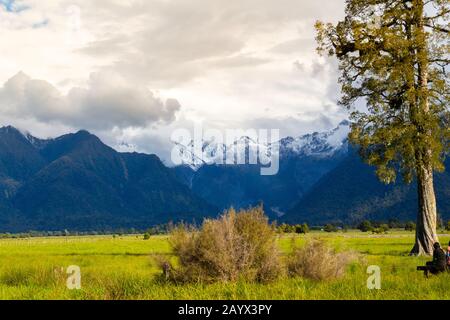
column 320, row 144
column 246, row 149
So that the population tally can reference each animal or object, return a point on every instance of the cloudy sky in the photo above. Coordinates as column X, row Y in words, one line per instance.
column 133, row 71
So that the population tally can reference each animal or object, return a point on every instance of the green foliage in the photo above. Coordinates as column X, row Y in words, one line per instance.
column 330, row 228
column 393, row 56
column 382, row 228
column 305, row 228
column 447, row 226
column 365, row 226
column 394, row 223
column 410, row 226
column 299, row 228
column 286, row 228
column 146, row 236
column 160, row 229
column 302, row 228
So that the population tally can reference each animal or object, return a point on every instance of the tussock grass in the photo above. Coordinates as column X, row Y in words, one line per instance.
column 318, row 261
column 237, row 246
column 44, row 276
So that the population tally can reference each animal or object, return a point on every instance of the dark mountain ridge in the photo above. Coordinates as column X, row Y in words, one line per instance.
column 352, row 192
column 77, row 182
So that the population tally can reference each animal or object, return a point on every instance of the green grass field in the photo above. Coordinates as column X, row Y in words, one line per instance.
column 125, row 268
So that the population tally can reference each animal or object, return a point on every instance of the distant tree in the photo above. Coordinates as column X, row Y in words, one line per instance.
column 394, row 223
column 394, row 55
column 301, row 228
column 365, row 226
column 305, row 228
column 147, row 236
column 330, row 228
column 283, row 228
column 382, row 228
column 410, row 226
column 447, row 226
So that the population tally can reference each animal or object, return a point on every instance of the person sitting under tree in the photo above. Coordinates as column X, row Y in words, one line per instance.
column 439, row 263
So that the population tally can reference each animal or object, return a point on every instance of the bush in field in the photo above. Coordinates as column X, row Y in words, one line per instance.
column 237, row 246
column 317, row 261
column 146, row 236
column 382, row 228
column 301, row 228
column 365, row 226
column 286, row 228
column 330, row 228
column 305, row 228
column 447, row 226
column 394, row 223
column 410, row 226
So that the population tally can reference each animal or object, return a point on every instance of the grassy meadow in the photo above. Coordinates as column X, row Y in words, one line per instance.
column 125, row 268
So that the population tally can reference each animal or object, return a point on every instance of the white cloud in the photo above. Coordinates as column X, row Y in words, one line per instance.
column 113, row 66
column 108, row 101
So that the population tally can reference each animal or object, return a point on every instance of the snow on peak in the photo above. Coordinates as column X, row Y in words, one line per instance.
column 320, row 144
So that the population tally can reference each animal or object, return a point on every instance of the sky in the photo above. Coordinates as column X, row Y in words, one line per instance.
column 133, row 71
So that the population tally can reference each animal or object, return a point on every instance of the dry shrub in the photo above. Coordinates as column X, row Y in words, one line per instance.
column 237, row 246
column 317, row 261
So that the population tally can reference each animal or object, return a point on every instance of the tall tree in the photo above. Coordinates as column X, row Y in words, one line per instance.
column 393, row 57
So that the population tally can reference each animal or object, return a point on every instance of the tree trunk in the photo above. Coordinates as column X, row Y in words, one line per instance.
column 427, row 214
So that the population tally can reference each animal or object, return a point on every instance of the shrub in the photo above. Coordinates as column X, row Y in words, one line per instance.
column 365, row 226
column 317, row 261
column 147, row 236
column 330, row 228
column 447, row 226
column 410, row 226
column 301, row 228
column 394, row 223
column 305, row 228
column 237, row 246
column 383, row 228
column 286, row 228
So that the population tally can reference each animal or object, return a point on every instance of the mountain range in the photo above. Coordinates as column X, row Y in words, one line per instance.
column 321, row 179
column 302, row 162
column 76, row 182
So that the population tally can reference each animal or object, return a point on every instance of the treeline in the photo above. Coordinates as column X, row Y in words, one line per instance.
column 364, row 226
column 155, row 230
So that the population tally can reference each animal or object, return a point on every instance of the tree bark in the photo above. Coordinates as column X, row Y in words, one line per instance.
column 427, row 214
